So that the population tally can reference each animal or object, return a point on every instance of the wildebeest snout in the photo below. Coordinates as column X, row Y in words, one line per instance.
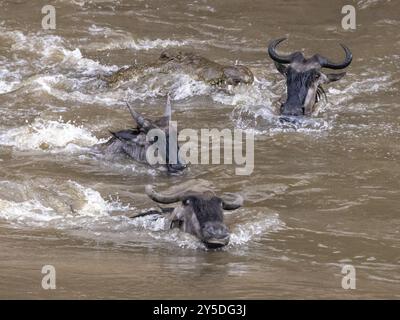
column 215, row 234
column 292, row 110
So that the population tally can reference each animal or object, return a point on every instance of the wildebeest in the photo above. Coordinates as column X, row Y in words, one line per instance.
column 304, row 78
column 200, row 213
column 135, row 142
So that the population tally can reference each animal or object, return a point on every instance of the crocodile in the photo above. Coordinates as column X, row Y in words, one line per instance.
column 200, row 68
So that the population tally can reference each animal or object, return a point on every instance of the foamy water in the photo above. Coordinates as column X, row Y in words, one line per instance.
column 83, row 209
column 50, row 135
column 125, row 40
column 81, row 84
column 40, row 213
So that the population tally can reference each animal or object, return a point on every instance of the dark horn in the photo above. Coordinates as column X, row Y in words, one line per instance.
column 234, row 203
column 275, row 56
column 163, row 198
column 325, row 63
column 139, row 119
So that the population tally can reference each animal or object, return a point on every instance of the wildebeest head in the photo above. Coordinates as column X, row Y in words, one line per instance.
column 200, row 213
column 144, row 125
column 304, row 78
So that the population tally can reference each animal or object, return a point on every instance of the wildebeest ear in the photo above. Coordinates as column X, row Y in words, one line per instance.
column 281, row 68
column 335, row 76
column 232, row 201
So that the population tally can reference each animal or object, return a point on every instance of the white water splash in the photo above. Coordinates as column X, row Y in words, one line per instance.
column 49, row 135
column 125, row 40
column 247, row 95
column 31, row 213
column 263, row 119
column 369, row 84
column 6, row 87
column 81, row 210
column 241, row 233
column 43, row 213
column 8, row 80
column 186, row 87
column 94, row 204
column 49, row 63
column 51, row 50
column 246, row 232
column 365, row 4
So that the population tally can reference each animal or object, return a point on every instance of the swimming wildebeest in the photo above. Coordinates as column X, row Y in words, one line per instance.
column 200, row 213
column 304, row 78
column 135, row 142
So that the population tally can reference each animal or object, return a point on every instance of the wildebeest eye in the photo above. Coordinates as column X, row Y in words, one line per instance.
column 153, row 139
column 317, row 76
column 186, row 202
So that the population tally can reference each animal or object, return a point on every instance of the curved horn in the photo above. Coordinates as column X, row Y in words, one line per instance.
column 275, row 56
column 139, row 119
column 163, row 198
column 325, row 63
column 235, row 202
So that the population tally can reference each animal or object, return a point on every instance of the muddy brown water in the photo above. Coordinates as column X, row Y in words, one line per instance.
column 320, row 197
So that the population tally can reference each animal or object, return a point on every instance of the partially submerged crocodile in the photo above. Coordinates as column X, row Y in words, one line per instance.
column 200, row 68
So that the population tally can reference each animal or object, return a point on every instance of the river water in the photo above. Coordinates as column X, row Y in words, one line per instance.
column 321, row 196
